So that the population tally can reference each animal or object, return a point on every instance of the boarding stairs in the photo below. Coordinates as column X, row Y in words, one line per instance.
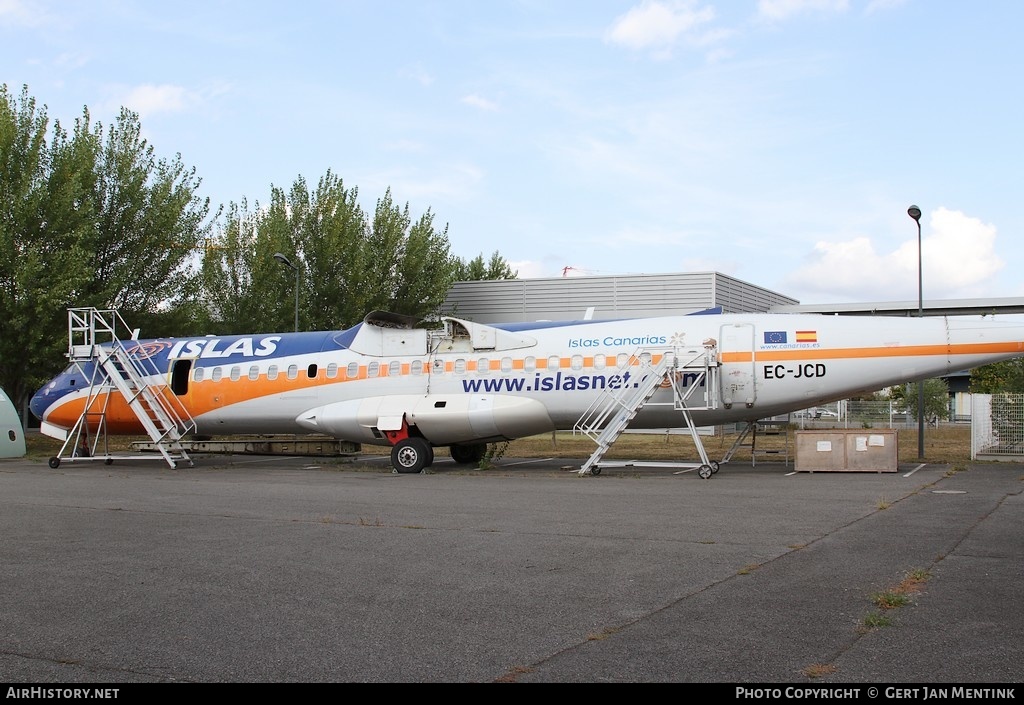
column 112, row 365
column 685, row 371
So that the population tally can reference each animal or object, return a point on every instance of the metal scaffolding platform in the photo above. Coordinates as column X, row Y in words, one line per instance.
column 113, row 366
column 684, row 371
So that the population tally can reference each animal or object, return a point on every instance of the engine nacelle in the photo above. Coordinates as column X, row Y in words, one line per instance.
column 441, row 419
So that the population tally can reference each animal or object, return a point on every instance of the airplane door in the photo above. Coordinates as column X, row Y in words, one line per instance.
column 736, row 373
column 181, row 370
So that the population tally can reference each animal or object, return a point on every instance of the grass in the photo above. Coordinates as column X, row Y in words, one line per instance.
column 877, row 620
column 946, row 445
column 894, row 598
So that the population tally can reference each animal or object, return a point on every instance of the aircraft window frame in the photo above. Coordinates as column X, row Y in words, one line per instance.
column 272, row 372
column 416, row 367
column 352, row 370
column 311, row 370
column 577, row 362
column 332, row 370
column 293, row 371
column 600, row 361
column 437, row 368
column 506, row 364
column 529, row 363
column 483, row 366
column 621, row 359
column 254, row 372
column 216, row 374
column 373, row 369
column 554, row 362
column 236, row 373
column 197, row 374
column 394, row 368
column 460, row 366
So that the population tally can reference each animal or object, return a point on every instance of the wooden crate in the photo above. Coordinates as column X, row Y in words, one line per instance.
column 847, row 450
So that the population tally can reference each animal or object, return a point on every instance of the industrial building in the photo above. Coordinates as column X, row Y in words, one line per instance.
column 607, row 297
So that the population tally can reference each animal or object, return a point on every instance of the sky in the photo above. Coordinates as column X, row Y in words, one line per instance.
column 780, row 142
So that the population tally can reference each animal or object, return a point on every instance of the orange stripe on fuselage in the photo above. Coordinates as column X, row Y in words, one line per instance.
column 861, row 353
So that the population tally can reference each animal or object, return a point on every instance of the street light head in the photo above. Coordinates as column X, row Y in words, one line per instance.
column 284, row 260
column 914, row 212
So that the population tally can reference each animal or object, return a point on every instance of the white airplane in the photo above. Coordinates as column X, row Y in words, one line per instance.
column 390, row 382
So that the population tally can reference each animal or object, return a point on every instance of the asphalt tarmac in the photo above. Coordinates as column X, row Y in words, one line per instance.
column 268, row 569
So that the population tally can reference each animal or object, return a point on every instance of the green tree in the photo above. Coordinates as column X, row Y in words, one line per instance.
column 244, row 292
column 1005, row 376
column 86, row 220
column 477, row 269
column 349, row 264
column 147, row 225
column 41, row 263
column 936, row 397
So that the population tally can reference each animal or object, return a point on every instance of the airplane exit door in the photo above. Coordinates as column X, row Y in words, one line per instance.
column 736, row 373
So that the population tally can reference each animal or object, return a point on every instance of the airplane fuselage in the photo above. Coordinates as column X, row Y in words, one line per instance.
column 470, row 383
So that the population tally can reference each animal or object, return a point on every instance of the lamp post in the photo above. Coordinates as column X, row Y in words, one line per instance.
column 287, row 263
column 915, row 213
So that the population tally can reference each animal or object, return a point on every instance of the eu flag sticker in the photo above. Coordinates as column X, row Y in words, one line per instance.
column 772, row 337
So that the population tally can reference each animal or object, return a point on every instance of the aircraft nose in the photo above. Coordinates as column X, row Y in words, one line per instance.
column 56, row 388
column 38, row 404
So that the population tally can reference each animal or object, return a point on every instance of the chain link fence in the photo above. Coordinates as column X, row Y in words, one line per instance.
column 857, row 414
column 997, row 427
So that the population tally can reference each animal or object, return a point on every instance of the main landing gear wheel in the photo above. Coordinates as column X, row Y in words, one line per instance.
column 468, row 453
column 411, row 455
column 705, row 471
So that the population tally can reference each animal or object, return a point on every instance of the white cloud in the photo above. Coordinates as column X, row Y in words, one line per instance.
column 420, row 75
column 882, row 5
column 478, row 102
column 528, row 269
column 781, row 9
column 150, row 100
column 958, row 256
column 18, row 13
column 658, row 23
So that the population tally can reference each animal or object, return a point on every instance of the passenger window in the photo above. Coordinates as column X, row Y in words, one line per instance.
column 373, row 369
column 352, row 371
column 416, row 367
column 216, row 375
column 530, row 363
column 554, row 362
column 197, row 374
column 293, row 371
column 254, row 372
column 272, row 372
column 394, row 368
column 332, row 370
column 599, row 361
column 311, row 371
column 460, row 366
column 577, row 362
column 483, row 366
